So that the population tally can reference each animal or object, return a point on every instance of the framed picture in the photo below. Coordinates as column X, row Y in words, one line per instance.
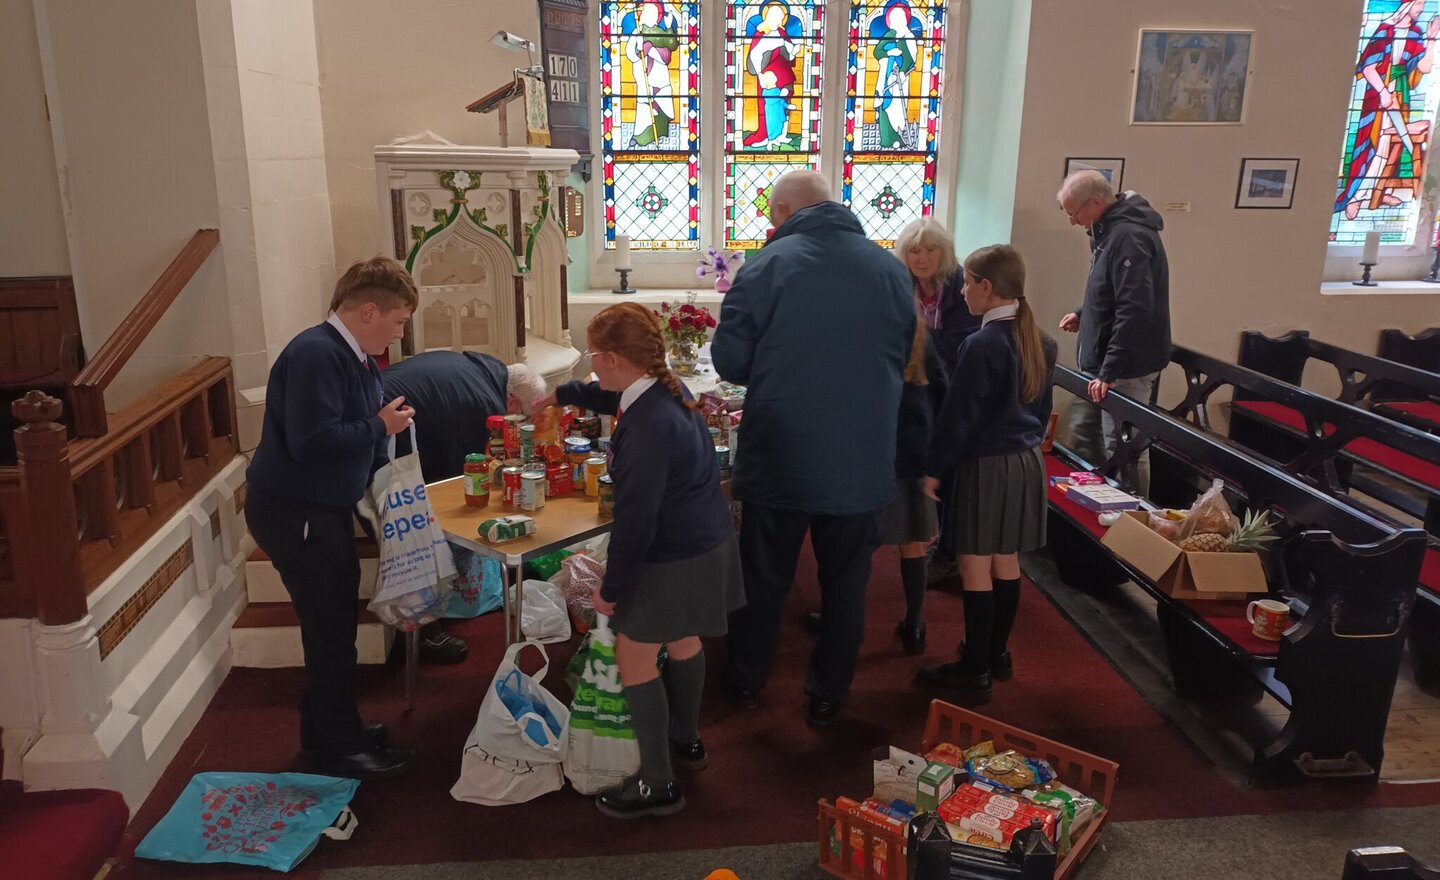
column 1113, row 169
column 1267, row 183
column 1191, row 77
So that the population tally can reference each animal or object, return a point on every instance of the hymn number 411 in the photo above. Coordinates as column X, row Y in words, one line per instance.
column 566, row 90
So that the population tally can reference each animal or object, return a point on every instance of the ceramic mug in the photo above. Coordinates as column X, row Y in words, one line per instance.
column 1268, row 618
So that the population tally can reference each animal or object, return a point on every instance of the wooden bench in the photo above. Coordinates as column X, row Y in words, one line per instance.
column 1347, row 575
column 1322, row 440
column 1388, row 388
column 1421, row 351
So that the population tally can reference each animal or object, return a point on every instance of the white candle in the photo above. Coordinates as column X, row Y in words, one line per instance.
column 622, row 252
column 1371, row 252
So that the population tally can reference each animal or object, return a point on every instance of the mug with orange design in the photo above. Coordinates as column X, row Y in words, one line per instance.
column 1268, row 618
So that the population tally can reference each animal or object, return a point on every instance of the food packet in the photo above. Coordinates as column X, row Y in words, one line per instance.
column 1074, row 809
column 1210, row 514
column 980, row 750
column 1167, row 523
column 1011, row 771
column 948, row 754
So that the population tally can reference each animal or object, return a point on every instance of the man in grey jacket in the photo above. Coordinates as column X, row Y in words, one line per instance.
column 818, row 326
column 1124, row 323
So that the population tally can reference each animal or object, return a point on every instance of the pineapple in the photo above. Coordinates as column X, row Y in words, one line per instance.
column 1252, row 534
column 1208, row 543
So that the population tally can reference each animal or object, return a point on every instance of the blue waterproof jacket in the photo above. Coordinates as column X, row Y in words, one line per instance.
column 817, row 326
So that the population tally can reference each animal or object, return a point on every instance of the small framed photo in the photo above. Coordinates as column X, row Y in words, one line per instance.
column 1113, row 169
column 1267, row 183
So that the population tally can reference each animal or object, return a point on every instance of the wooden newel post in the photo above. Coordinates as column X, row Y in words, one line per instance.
column 50, row 554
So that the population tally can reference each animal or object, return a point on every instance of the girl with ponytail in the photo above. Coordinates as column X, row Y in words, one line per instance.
column 673, row 572
column 988, row 436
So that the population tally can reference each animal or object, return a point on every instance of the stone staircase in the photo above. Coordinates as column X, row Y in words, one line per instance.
column 267, row 633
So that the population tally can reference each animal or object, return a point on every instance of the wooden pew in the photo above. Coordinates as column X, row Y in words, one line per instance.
column 1347, row 575
column 1405, row 393
column 1322, row 440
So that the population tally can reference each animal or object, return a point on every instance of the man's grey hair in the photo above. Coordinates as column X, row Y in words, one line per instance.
column 927, row 232
column 525, row 385
column 1086, row 185
column 801, row 189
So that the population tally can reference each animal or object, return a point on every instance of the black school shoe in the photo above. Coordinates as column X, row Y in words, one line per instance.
column 822, row 713
column 443, row 649
column 912, row 637
column 377, row 731
column 974, row 687
column 636, row 797
column 690, row 756
column 1002, row 668
column 375, row 764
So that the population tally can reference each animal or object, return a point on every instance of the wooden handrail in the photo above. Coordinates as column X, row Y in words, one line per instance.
column 87, row 392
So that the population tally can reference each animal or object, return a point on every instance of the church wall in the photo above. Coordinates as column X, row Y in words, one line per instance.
column 1230, row 269
column 389, row 70
column 31, row 224
column 134, row 150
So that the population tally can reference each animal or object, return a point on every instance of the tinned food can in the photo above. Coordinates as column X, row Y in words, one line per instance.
column 587, row 426
column 594, row 468
column 722, row 457
column 510, row 478
column 605, row 490
column 532, row 491
column 512, row 435
column 527, row 442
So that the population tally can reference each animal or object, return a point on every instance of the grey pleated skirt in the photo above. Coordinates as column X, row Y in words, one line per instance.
column 910, row 516
column 999, row 504
column 689, row 597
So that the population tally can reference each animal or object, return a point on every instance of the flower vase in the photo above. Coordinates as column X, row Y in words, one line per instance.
column 683, row 358
column 722, row 284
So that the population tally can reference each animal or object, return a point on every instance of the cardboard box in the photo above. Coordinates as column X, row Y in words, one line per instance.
column 896, row 776
column 935, row 785
column 1179, row 574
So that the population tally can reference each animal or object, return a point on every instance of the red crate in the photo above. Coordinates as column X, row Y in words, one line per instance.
column 1083, row 771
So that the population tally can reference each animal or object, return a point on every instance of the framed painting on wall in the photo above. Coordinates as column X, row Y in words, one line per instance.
column 1113, row 169
column 1191, row 77
column 1267, row 183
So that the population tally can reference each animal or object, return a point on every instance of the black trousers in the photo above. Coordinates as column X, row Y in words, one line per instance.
column 313, row 549
column 770, row 541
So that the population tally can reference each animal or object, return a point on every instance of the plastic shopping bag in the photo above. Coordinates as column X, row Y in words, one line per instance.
column 543, row 617
column 478, row 585
column 602, row 750
column 416, row 567
column 272, row 820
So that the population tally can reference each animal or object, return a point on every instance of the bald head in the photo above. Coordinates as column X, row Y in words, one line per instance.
column 794, row 191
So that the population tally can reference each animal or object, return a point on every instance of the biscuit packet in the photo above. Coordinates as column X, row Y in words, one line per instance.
column 1010, row 771
column 1075, row 810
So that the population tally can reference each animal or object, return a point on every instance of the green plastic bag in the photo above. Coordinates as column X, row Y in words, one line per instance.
column 602, row 750
column 545, row 567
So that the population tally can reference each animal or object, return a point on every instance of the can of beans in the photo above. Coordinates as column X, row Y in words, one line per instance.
column 532, row 491
column 594, row 467
column 605, row 490
column 510, row 480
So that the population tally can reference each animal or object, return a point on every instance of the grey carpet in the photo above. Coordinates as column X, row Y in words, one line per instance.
column 1294, row 846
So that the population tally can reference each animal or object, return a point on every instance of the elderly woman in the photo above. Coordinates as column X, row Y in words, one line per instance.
column 928, row 251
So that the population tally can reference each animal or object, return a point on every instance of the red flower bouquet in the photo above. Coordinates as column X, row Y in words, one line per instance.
column 686, row 327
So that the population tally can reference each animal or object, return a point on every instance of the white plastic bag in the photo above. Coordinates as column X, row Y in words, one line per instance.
column 417, row 569
column 602, row 749
column 519, row 718
column 543, row 617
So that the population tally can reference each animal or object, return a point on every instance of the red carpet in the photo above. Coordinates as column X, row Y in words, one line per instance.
column 767, row 768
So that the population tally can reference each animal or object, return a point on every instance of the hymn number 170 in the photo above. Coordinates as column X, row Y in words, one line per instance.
column 567, row 90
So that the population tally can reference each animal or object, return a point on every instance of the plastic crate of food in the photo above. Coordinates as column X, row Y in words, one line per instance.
column 881, row 854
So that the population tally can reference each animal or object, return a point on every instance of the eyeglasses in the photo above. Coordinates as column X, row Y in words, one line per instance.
column 1075, row 213
column 591, row 354
column 970, row 278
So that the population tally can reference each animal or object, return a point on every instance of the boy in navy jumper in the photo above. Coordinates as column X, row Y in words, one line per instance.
column 322, row 438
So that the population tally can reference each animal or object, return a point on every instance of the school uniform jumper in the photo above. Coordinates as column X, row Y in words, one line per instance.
column 320, row 442
column 673, row 568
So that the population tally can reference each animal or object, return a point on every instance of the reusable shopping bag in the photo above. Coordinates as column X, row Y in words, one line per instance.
column 478, row 582
column 272, row 820
column 602, row 749
column 416, row 567
column 543, row 616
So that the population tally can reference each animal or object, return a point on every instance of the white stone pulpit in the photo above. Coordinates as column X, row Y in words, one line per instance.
column 479, row 230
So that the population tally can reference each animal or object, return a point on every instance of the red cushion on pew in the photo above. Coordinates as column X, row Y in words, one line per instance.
column 1089, row 519
column 1372, row 451
column 1430, row 569
column 58, row 835
column 1421, row 409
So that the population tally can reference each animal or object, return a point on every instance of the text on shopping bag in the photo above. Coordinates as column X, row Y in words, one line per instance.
column 397, row 526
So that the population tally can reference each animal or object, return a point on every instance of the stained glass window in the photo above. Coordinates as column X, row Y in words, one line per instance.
column 894, row 80
column 1387, row 134
column 650, row 122
column 774, row 53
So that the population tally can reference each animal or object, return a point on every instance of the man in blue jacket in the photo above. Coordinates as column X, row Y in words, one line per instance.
column 818, row 326
column 1124, row 323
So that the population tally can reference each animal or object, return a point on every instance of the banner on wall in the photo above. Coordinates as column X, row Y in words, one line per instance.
column 566, row 58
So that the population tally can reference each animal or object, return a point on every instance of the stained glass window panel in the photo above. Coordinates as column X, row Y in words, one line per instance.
column 1387, row 132
column 650, row 122
column 774, row 64
column 895, row 75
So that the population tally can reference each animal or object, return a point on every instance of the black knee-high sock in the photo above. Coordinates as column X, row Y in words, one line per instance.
column 684, row 683
column 979, row 623
column 1007, row 604
column 912, row 578
column 650, row 716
